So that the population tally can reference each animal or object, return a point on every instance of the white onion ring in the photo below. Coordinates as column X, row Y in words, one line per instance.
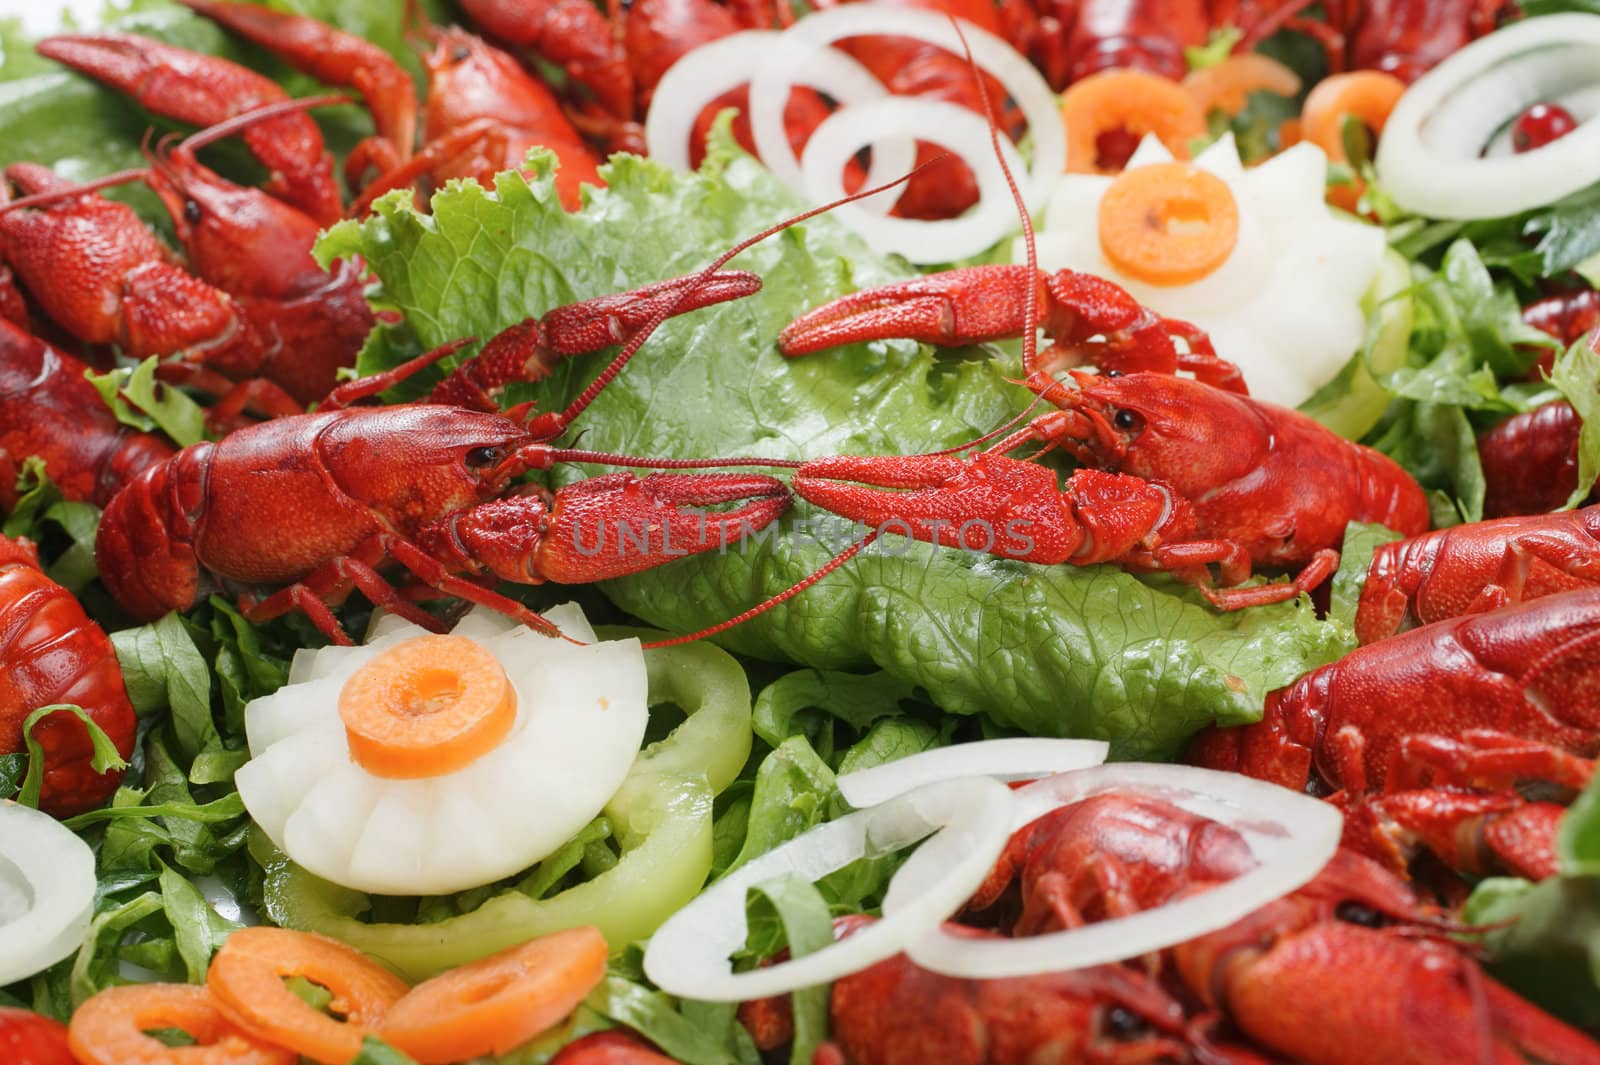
column 970, row 820
column 1291, row 835
column 702, row 75
column 1009, row 759
column 1428, row 157
column 46, row 891
column 962, row 132
column 804, row 43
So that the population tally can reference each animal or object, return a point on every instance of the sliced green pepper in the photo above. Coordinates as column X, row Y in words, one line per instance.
column 661, row 816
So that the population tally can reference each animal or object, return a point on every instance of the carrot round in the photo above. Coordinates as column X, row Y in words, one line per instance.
column 1130, row 100
column 1368, row 95
column 427, row 707
column 109, row 1029
column 496, row 1004
column 247, row 980
column 1168, row 224
column 1227, row 86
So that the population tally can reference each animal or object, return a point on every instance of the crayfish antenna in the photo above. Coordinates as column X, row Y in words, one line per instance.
column 1030, row 341
column 700, row 280
column 194, row 141
column 244, row 120
column 777, row 600
column 611, row 458
column 67, row 192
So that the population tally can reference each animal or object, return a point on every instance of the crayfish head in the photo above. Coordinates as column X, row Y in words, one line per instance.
column 1174, row 430
column 415, row 463
column 239, row 239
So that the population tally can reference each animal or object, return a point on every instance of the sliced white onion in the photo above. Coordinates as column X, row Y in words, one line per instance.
column 709, row 71
column 1022, row 758
column 962, row 132
column 1291, row 835
column 46, row 891
column 582, row 711
column 805, row 43
column 1428, row 157
column 969, row 819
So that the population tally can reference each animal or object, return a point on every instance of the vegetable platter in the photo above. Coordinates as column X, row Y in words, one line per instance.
column 883, row 532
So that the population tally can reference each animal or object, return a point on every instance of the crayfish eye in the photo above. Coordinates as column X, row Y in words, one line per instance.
column 191, row 212
column 479, row 457
column 460, row 54
column 1123, row 1023
column 1358, row 913
column 1129, row 420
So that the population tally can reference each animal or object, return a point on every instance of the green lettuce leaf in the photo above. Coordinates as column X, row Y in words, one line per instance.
column 1577, row 374
column 1544, row 939
column 1055, row 651
column 104, row 759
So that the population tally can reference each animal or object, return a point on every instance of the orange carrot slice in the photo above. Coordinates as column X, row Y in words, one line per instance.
column 247, row 980
column 1368, row 95
column 1168, row 224
column 427, row 707
column 109, row 1029
column 1227, row 86
column 1131, row 100
column 496, row 1004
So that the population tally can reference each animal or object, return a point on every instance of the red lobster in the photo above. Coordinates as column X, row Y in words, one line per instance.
column 1530, row 460
column 1238, row 473
column 48, row 409
column 424, row 486
column 309, row 322
column 102, row 276
column 617, row 62
column 205, row 90
column 1425, row 734
column 1407, row 39
column 50, row 652
column 1468, row 569
column 1316, row 976
column 896, row 1013
column 482, row 114
column 1071, row 39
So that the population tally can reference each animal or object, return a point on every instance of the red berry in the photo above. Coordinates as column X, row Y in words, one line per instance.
column 29, row 1039
column 1541, row 124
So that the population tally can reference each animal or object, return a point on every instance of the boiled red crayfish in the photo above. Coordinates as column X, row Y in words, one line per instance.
column 1468, row 569
column 1279, row 975
column 1407, row 39
column 1238, row 473
column 1530, row 460
column 616, row 60
column 1325, row 976
column 424, row 486
column 48, row 409
column 101, row 275
column 1448, row 711
column 482, row 112
column 206, row 90
column 896, row 1013
column 51, row 653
